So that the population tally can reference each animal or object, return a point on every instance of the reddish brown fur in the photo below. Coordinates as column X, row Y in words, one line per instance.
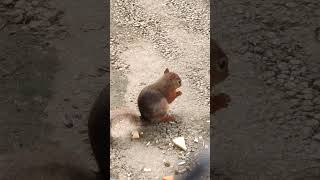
column 153, row 100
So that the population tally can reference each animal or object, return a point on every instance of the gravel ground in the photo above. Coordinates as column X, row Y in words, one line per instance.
column 146, row 37
column 52, row 66
column 271, row 129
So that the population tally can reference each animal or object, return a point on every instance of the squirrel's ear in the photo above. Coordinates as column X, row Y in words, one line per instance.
column 166, row 71
column 172, row 76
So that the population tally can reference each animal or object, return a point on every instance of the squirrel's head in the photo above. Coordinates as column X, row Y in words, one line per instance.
column 173, row 78
column 219, row 63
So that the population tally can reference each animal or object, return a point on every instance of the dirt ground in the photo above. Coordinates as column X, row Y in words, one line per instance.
column 52, row 66
column 147, row 37
column 271, row 128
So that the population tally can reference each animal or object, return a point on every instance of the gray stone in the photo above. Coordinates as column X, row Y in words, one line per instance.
column 269, row 53
column 316, row 83
column 316, row 137
column 294, row 61
column 289, row 85
column 308, row 96
column 307, row 103
column 317, row 116
column 7, row 2
column 20, row 4
column 283, row 66
column 313, row 123
column 307, row 108
column 307, row 132
column 18, row 19
column 34, row 24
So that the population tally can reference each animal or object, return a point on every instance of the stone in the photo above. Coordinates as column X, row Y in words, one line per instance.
column 294, row 61
column 7, row 2
column 34, row 24
column 313, row 123
column 317, row 116
column 20, row 4
column 283, row 66
column 146, row 169
column 316, row 83
column 18, row 19
column 316, row 137
column 180, row 163
column 166, row 163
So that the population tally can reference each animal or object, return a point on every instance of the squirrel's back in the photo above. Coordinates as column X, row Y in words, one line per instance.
column 154, row 99
column 98, row 131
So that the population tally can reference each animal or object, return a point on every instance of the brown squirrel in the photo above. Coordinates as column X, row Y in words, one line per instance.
column 154, row 100
column 219, row 64
column 98, row 131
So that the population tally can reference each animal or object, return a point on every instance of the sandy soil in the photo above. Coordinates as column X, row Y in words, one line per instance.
column 147, row 37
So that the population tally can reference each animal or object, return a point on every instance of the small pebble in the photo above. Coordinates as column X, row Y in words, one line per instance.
column 146, row 169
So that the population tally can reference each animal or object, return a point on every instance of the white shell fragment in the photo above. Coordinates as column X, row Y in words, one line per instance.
column 196, row 140
column 146, row 169
column 180, row 142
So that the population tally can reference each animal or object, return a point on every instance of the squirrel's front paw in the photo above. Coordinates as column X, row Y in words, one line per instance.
column 168, row 118
column 179, row 93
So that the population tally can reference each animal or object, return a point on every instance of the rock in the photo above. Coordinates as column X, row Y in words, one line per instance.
column 20, row 4
column 307, row 103
column 316, row 137
column 166, row 163
column 180, row 163
column 313, row 123
column 283, row 66
column 307, row 132
column 18, row 19
column 317, row 116
column 268, row 74
column 307, row 108
column 53, row 16
column 180, row 142
column 291, row 5
column 7, row 2
column 316, row 83
column 295, row 62
column 34, row 24
column 146, row 169
column 35, row 3
column 308, row 96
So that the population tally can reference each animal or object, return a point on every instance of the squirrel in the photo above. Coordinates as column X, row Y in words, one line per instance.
column 219, row 64
column 154, row 100
column 98, row 131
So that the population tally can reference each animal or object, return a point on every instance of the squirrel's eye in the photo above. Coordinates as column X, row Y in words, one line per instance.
column 222, row 65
